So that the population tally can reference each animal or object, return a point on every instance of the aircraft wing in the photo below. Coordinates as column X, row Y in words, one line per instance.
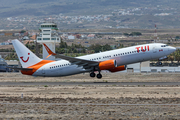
column 87, row 64
column 80, row 62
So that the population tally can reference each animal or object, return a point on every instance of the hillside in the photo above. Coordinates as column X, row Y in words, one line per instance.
column 11, row 8
column 90, row 14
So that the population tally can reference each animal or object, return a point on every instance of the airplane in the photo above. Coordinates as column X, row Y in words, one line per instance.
column 113, row 61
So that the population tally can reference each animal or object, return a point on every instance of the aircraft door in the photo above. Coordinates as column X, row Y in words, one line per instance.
column 155, row 54
column 154, row 49
column 43, row 71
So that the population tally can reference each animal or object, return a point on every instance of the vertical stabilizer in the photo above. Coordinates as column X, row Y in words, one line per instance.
column 26, row 57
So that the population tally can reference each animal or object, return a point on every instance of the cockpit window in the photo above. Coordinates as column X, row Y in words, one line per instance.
column 164, row 45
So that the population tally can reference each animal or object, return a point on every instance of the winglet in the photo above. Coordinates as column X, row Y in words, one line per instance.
column 48, row 50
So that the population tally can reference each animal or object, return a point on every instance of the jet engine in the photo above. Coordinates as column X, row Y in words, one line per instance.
column 119, row 68
column 111, row 65
column 107, row 65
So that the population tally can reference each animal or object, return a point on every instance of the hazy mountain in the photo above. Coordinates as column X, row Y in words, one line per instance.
column 74, row 7
column 116, row 13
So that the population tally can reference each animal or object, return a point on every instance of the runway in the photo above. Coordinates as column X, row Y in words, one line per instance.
column 91, row 83
column 89, row 104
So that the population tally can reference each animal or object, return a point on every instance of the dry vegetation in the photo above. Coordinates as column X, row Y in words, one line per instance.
column 89, row 101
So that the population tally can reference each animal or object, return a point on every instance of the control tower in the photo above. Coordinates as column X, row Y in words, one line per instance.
column 48, row 35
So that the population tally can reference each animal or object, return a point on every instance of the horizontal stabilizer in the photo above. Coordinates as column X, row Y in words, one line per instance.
column 23, row 69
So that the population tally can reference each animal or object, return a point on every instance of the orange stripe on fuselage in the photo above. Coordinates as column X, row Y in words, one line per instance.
column 36, row 67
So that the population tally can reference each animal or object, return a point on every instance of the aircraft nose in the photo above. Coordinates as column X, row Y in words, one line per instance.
column 172, row 49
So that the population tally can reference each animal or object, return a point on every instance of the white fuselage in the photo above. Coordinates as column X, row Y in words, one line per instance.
column 122, row 56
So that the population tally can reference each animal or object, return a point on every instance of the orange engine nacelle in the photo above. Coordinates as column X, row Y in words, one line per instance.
column 107, row 65
column 111, row 65
column 120, row 68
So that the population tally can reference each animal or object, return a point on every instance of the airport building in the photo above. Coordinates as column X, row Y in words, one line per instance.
column 48, row 35
column 13, row 63
column 3, row 65
column 145, row 67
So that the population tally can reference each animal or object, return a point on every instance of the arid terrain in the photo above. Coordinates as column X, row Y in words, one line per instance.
column 89, row 100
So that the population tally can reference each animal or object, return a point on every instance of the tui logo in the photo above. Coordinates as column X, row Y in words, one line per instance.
column 143, row 49
column 25, row 60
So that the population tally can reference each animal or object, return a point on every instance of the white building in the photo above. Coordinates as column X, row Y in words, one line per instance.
column 71, row 37
column 48, row 36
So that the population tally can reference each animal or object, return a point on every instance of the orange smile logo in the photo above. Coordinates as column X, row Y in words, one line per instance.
column 25, row 60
